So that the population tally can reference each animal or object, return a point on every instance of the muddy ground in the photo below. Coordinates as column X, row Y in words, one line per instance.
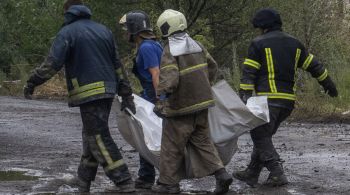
column 42, row 139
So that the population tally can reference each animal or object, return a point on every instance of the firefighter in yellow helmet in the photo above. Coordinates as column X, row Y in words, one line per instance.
column 186, row 73
column 270, row 70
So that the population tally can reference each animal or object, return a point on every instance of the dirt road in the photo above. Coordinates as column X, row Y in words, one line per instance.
column 42, row 139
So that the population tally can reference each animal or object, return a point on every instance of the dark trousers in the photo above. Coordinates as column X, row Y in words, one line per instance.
column 147, row 171
column 264, row 151
column 98, row 145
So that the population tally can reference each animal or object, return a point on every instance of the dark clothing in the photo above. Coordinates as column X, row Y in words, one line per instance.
column 88, row 52
column 271, row 67
column 187, row 133
column 98, row 145
column 264, row 150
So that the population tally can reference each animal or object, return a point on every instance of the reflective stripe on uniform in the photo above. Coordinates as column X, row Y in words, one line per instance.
column 193, row 107
column 247, row 86
column 170, row 66
column 307, row 62
column 193, row 68
column 110, row 164
column 323, row 76
column 252, row 63
column 297, row 58
column 86, row 94
column 271, row 70
column 278, row 95
column 85, row 88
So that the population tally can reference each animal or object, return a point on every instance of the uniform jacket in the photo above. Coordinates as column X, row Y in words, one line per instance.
column 186, row 81
column 271, row 67
column 88, row 52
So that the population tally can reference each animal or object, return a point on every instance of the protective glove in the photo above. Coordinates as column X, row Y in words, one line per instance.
column 128, row 102
column 28, row 90
column 158, row 107
column 245, row 95
column 124, row 88
column 329, row 87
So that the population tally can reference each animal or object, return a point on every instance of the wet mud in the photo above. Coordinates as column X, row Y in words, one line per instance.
column 40, row 146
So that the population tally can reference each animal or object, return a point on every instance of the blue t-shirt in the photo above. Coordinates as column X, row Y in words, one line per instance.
column 148, row 56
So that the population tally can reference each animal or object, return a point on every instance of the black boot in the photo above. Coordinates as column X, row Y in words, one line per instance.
column 143, row 184
column 127, row 186
column 276, row 176
column 251, row 174
column 166, row 188
column 82, row 185
column 223, row 181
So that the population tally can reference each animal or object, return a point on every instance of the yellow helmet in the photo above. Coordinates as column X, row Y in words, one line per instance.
column 170, row 22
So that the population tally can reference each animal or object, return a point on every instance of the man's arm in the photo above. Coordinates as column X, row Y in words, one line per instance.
column 309, row 63
column 155, row 76
column 251, row 67
column 53, row 63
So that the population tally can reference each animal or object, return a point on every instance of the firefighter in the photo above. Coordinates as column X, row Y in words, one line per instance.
column 88, row 52
column 146, row 69
column 270, row 70
column 187, row 71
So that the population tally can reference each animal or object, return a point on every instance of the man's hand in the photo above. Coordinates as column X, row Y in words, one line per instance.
column 245, row 95
column 28, row 90
column 329, row 87
column 124, row 88
column 128, row 102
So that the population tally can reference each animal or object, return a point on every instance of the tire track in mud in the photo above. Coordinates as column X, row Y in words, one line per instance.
column 43, row 138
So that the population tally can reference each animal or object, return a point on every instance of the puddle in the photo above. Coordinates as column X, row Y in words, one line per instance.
column 16, row 176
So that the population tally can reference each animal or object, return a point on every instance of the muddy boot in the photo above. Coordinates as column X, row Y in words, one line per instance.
column 82, row 185
column 166, row 189
column 127, row 186
column 143, row 184
column 276, row 176
column 250, row 175
column 223, row 181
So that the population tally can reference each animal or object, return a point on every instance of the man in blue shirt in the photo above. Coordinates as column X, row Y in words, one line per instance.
column 146, row 69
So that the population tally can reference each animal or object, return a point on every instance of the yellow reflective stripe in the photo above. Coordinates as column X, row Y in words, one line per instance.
column 247, row 86
column 193, row 68
column 75, row 83
column 323, row 76
column 88, row 94
column 271, row 70
column 111, row 165
column 307, row 62
column 84, row 88
column 115, row 165
column 193, row 107
column 297, row 58
column 278, row 95
column 252, row 63
column 170, row 66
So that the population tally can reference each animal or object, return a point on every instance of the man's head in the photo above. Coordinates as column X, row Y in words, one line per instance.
column 171, row 22
column 266, row 19
column 68, row 3
column 137, row 23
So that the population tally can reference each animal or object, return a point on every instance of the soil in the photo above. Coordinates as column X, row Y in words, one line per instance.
column 40, row 146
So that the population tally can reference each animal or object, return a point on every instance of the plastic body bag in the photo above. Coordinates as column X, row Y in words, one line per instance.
column 228, row 120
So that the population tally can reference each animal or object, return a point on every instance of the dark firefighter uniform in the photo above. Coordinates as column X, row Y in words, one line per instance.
column 270, row 69
column 87, row 51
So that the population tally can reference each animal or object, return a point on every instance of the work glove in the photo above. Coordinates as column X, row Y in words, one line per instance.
column 28, row 90
column 124, row 88
column 128, row 102
column 329, row 87
column 158, row 107
column 245, row 95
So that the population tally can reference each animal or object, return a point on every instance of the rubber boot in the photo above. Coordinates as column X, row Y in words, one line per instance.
column 276, row 177
column 251, row 174
column 143, row 184
column 166, row 188
column 223, row 181
column 127, row 186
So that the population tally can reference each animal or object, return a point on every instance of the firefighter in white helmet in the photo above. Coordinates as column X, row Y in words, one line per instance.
column 187, row 71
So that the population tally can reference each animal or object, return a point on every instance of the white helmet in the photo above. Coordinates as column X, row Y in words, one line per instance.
column 171, row 21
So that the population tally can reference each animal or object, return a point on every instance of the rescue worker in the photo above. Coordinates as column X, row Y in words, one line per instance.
column 88, row 52
column 270, row 70
column 187, row 71
column 146, row 69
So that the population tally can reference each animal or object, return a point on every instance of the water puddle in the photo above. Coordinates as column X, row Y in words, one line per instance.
column 16, row 176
